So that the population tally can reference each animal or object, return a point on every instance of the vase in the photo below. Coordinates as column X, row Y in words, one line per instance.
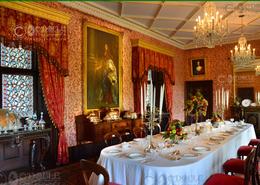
column 197, row 130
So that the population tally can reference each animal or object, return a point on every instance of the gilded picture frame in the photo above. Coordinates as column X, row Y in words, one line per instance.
column 198, row 67
column 102, row 74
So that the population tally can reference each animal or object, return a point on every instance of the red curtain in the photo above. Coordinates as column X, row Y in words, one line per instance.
column 144, row 59
column 49, row 39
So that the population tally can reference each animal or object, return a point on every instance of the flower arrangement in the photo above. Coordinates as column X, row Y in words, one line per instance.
column 197, row 105
column 175, row 131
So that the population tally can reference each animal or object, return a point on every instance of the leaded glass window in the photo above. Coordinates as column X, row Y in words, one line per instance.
column 15, row 57
column 17, row 78
column 17, row 94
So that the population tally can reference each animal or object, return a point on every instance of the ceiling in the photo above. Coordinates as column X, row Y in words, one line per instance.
column 171, row 21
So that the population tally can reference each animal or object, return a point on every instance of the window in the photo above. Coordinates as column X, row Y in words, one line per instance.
column 19, row 81
column 157, row 78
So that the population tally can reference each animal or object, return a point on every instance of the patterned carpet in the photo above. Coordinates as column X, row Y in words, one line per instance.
column 66, row 175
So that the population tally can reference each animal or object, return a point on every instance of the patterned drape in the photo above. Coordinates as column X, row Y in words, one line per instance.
column 49, row 39
column 144, row 59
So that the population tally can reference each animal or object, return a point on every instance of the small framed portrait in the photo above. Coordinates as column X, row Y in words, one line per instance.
column 198, row 66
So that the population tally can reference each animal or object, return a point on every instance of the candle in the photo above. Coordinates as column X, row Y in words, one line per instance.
column 219, row 102
column 151, row 97
column 216, row 98
column 161, row 99
column 223, row 101
column 142, row 101
column 144, row 98
column 227, row 99
column 154, row 98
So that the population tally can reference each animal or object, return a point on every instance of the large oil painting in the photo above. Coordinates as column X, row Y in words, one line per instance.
column 101, row 68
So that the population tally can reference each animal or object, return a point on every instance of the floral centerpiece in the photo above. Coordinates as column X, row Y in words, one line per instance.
column 196, row 105
column 175, row 131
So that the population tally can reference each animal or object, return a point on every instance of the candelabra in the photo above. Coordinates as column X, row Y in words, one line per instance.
column 222, row 101
column 151, row 124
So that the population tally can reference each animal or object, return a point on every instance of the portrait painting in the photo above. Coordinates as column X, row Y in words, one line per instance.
column 198, row 67
column 101, row 68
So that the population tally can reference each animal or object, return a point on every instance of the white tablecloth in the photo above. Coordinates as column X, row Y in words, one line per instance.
column 157, row 169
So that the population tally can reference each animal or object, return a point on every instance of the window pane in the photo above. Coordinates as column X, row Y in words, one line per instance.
column 15, row 57
column 17, row 94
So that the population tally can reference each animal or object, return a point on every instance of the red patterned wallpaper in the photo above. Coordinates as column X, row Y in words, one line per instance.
column 73, row 83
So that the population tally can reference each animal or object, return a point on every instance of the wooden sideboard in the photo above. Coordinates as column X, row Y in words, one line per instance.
column 90, row 132
column 16, row 148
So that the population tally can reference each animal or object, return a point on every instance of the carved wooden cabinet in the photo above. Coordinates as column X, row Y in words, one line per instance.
column 15, row 150
column 252, row 115
column 90, row 132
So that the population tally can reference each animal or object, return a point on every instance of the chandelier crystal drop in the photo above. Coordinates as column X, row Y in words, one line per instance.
column 242, row 55
column 210, row 30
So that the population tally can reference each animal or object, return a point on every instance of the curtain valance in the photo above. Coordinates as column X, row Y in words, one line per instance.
column 18, row 29
column 144, row 59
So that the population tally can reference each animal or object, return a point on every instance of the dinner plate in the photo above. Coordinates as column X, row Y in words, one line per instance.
column 189, row 155
column 246, row 102
column 217, row 138
column 136, row 156
column 225, row 134
column 201, row 148
column 114, row 151
column 139, row 139
column 213, row 142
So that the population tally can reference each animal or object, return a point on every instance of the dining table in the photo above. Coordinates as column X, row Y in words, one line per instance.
column 186, row 162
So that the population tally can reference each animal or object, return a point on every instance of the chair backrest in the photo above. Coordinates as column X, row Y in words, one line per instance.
column 255, row 178
column 139, row 132
column 250, row 168
column 112, row 138
column 89, row 167
column 127, row 135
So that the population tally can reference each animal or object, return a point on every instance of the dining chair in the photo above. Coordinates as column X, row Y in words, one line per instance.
column 243, row 151
column 224, row 179
column 139, row 132
column 112, row 138
column 127, row 134
column 235, row 165
column 89, row 167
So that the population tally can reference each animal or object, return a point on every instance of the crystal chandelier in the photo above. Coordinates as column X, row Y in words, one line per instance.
column 210, row 30
column 257, row 70
column 242, row 54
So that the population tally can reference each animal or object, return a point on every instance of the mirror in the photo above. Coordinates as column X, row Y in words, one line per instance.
column 247, row 83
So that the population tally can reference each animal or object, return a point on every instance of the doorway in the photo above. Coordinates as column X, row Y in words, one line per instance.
column 206, row 89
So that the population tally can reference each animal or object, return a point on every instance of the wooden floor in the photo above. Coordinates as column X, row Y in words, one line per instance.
column 66, row 175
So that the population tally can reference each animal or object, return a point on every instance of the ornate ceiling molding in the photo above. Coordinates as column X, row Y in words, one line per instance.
column 38, row 10
column 87, row 7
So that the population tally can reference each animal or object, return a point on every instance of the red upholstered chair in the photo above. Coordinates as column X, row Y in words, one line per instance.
column 245, row 150
column 235, row 165
column 254, row 142
column 224, row 179
column 89, row 167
